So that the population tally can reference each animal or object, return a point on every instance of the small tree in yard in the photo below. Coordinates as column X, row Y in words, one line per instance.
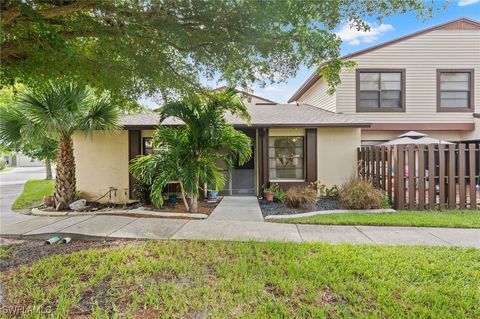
column 190, row 153
column 56, row 112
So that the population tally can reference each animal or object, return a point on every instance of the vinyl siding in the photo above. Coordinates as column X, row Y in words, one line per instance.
column 317, row 96
column 421, row 56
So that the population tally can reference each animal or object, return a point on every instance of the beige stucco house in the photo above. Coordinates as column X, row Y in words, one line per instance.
column 427, row 81
column 292, row 144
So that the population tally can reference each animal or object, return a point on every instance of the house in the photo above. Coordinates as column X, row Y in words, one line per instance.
column 427, row 81
column 292, row 145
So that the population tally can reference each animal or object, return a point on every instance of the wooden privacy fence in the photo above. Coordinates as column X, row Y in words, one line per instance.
column 420, row 177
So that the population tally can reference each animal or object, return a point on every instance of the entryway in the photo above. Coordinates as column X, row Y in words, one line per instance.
column 241, row 181
column 238, row 208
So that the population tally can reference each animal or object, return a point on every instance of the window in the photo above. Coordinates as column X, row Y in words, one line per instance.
column 380, row 90
column 147, row 146
column 286, row 157
column 454, row 90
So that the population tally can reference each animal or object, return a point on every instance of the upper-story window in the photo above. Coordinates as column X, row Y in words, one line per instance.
column 380, row 90
column 455, row 90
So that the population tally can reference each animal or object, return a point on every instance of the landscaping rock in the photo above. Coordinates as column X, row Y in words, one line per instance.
column 276, row 208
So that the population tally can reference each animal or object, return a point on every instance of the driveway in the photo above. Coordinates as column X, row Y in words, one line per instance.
column 11, row 185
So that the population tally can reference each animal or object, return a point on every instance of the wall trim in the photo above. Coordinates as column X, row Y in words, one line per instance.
column 421, row 127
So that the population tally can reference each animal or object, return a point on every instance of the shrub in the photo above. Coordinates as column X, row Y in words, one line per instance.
column 141, row 191
column 332, row 192
column 300, row 197
column 279, row 196
column 3, row 164
column 359, row 194
column 386, row 201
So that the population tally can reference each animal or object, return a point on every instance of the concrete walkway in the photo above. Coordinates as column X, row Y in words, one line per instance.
column 237, row 208
column 110, row 227
column 236, row 218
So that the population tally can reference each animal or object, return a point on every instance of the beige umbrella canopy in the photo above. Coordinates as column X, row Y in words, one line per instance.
column 413, row 137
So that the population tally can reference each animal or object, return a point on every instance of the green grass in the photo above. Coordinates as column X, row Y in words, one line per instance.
column 33, row 193
column 180, row 279
column 454, row 218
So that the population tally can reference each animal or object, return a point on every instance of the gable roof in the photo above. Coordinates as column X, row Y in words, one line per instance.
column 462, row 23
column 262, row 115
column 264, row 100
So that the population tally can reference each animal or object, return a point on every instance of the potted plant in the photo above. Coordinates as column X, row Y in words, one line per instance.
column 270, row 191
column 213, row 194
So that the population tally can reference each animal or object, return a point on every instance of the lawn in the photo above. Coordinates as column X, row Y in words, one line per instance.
column 33, row 193
column 453, row 218
column 192, row 279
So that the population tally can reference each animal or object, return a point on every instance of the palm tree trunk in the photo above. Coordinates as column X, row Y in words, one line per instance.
column 65, row 177
column 194, row 198
column 48, row 168
column 193, row 203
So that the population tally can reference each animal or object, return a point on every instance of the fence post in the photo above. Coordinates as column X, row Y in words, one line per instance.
column 400, row 177
column 432, row 192
column 389, row 174
column 452, row 196
column 411, row 176
column 461, row 176
column 421, row 177
column 441, row 180
column 473, row 177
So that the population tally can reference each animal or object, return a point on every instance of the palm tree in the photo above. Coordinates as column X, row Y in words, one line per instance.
column 56, row 112
column 191, row 153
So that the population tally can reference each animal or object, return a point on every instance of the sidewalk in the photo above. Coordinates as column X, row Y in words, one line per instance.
column 112, row 227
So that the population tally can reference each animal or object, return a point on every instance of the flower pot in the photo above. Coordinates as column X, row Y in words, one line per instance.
column 269, row 197
column 212, row 195
column 172, row 198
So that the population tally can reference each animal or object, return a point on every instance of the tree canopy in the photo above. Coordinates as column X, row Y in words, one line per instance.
column 135, row 48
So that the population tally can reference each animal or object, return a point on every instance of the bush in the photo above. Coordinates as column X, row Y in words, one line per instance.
column 141, row 191
column 359, row 194
column 279, row 196
column 332, row 192
column 300, row 197
column 3, row 164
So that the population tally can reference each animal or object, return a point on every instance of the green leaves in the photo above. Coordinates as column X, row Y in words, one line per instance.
column 191, row 153
column 42, row 116
column 159, row 48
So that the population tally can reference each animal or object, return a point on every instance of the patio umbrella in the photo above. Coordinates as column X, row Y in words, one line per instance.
column 413, row 137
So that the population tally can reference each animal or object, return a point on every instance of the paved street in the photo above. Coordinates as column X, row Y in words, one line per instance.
column 235, row 218
column 11, row 185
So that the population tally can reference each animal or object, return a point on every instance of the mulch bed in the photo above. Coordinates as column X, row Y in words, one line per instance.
column 29, row 251
column 276, row 208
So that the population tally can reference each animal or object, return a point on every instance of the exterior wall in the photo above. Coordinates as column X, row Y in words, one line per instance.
column 101, row 163
column 317, row 96
column 337, row 154
column 420, row 56
column 286, row 132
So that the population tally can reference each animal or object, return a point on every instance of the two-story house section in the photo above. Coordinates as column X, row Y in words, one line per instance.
column 428, row 81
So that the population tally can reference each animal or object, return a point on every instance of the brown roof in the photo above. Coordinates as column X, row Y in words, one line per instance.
column 271, row 115
column 462, row 23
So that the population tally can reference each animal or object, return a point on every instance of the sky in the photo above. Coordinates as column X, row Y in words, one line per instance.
column 390, row 28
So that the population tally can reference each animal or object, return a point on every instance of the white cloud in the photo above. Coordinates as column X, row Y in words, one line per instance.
column 355, row 37
column 463, row 3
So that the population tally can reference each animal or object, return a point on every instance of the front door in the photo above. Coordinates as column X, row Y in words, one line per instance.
column 241, row 181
